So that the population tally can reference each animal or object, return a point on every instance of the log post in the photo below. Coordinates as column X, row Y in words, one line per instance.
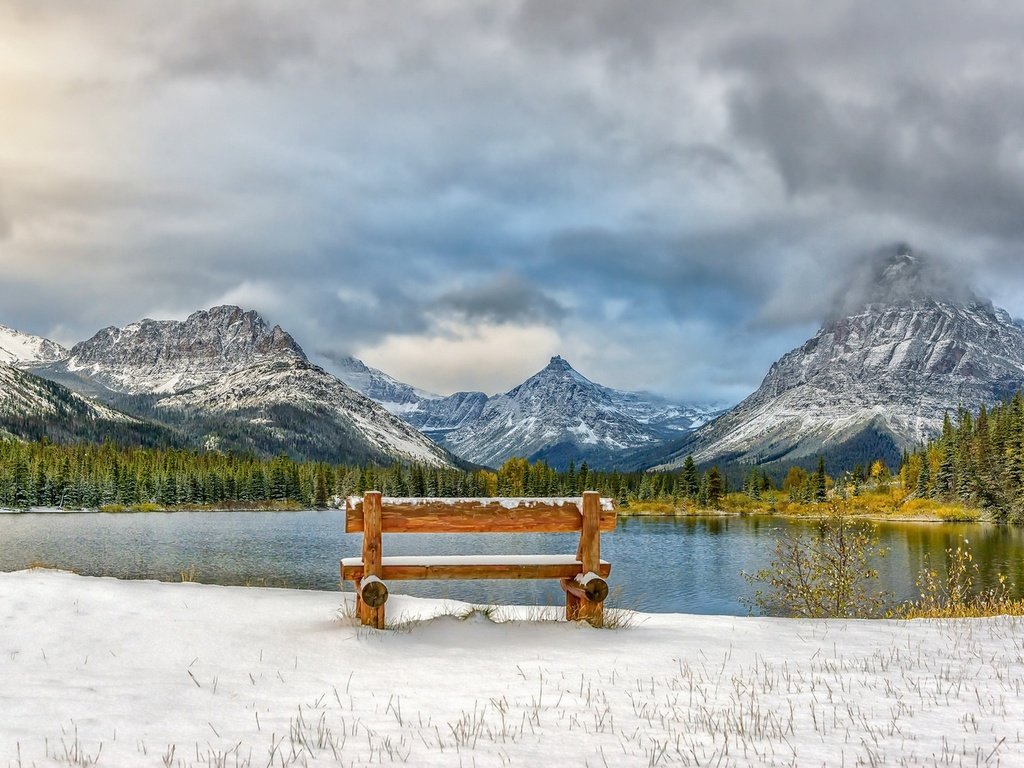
column 587, row 586
column 374, row 592
column 584, row 605
column 369, row 615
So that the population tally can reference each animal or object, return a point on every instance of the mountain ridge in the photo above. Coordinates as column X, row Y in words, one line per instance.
column 227, row 378
column 559, row 415
column 25, row 350
column 914, row 348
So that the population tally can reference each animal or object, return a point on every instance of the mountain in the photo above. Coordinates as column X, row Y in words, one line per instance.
column 438, row 417
column 396, row 397
column 32, row 408
column 167, row 356
column 557, row 415
column 303, row 410
column 24, row 350
column 909, row 343
column 225, row 378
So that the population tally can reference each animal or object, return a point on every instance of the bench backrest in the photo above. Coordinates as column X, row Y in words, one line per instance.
column 503, row 515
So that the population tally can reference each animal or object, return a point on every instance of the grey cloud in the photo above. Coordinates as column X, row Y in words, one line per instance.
column 716, row 168
column 247, row 40
column 505, row 298
column 876, row 118
column 882, row 276
column 624, row 33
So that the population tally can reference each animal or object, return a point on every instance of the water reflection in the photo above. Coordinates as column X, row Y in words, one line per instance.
column 689, row 565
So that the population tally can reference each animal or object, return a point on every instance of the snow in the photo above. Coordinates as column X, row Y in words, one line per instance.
column 151, row 674
column 17, row 348
column 607, row 505
column 427, row 560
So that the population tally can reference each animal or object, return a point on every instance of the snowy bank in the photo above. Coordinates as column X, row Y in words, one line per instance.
column 141, row 673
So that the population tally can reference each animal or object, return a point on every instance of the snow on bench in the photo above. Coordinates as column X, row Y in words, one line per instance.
column 607, row 505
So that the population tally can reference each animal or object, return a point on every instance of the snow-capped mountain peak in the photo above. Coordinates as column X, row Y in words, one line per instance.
column 876, row 380
column 228, row 373
column 558, row 414
column 25, row 350
column 395, row 396
column 168, row 356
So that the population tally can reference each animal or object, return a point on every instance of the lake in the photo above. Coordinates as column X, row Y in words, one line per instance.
column 659, row 565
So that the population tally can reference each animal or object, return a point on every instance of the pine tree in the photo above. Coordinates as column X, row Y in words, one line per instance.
column 820, row 489
column 320, row 488
column 923, row 478
column 716, row 486
column 690, row 479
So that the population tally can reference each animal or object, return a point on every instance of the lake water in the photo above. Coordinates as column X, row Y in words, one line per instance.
column 677, row 565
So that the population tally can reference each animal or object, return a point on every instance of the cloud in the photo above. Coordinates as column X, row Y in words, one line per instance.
column 480, row 356
column 505, row 298
column 235, row 39
column 673, row 193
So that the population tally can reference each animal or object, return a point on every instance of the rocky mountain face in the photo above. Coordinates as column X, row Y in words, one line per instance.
column 437, row 417
column 23, row 394
column 306, row 411
column 24, row 350
column 223, row 377
column 909, row 346
column 167, row 356
column 395, row 396
column 557, row 415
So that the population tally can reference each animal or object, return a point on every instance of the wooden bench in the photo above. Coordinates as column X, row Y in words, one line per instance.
column 582, row 575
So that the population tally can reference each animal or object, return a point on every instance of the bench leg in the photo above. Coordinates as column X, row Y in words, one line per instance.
column 359, row 599
column 572, row 607
column 592, row 613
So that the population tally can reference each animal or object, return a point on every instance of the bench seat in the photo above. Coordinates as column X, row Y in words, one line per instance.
column 473, row 567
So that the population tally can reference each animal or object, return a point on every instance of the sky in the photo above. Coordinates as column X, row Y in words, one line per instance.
column 669, row 195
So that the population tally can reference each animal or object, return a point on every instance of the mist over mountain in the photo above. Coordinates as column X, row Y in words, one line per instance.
column 897, row 276
column 875, row 380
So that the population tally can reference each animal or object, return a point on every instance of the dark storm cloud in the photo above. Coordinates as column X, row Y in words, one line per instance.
column 505, row 298
column 881, row 115
column 679, row 192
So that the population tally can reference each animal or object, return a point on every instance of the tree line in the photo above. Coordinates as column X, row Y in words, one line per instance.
column 977, row 460
column 81, row 475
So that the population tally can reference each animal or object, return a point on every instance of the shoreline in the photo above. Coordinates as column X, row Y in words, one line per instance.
column 977, row 516
column 810, row 517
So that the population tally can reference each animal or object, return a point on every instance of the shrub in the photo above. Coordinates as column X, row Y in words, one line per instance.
column 823, row 574
column 954, row 596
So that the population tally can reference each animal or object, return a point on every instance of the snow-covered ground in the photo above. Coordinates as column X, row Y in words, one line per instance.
column 132, row 673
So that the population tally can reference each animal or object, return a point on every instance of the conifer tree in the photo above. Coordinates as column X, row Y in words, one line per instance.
column 820, row 489
column 923, row 478
column 690, row 479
